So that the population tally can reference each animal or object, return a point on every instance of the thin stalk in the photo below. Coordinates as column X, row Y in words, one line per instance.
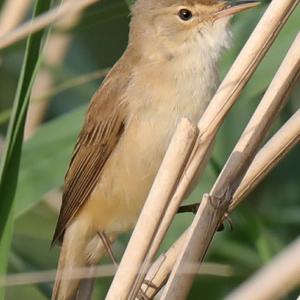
column 158, row 199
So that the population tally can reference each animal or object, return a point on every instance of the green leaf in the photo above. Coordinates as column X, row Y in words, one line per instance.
column 22, row 264
column 51, row 147
column 11, row 159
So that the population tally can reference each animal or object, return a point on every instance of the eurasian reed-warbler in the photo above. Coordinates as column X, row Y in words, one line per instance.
column 168, row 71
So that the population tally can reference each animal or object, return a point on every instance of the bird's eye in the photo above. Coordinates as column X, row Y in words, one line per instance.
column 185, row 14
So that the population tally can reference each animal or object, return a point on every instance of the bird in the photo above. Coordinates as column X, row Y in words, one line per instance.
column 168, row 71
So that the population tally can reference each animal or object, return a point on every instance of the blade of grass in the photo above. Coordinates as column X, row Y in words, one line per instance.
column 10, row 162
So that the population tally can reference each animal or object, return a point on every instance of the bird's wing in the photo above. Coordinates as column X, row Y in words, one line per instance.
column 102, row 130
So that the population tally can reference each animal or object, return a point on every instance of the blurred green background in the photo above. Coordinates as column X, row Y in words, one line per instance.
column 263, row 225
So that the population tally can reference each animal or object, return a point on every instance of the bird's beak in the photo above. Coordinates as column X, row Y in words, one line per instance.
column 234, row 7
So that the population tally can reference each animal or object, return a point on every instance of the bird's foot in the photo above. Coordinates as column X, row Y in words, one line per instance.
column 193, row 208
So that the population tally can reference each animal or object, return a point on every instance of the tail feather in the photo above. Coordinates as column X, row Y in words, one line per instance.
column 71, row 261
column 80, row 248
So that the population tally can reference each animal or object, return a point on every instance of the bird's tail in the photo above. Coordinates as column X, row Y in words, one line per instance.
column 72, row 261
column 81, row 247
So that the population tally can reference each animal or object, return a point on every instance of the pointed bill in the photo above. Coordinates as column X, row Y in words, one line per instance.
column 235, row 7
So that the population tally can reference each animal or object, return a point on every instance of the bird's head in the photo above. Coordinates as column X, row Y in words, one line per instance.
column 178, row 25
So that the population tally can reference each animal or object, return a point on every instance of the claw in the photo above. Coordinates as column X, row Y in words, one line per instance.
column 228, row 219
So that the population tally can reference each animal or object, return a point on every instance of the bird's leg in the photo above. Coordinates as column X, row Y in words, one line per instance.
column 188, row 208
column 107, row 245
column 193, row 208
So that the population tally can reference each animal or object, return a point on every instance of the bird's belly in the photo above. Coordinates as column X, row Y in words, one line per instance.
column 128, row 175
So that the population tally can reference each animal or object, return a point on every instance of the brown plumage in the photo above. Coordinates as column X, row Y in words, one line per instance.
column 168, row 71
column 103, row 127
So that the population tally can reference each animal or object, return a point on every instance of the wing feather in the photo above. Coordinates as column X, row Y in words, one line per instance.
column 102, row 130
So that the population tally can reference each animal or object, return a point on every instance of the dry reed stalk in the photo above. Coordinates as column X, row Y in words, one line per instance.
column 52, row 200
column 102, row 271
column 160, row 270
column 273, row 100
column 29, row 278
column 12, row 13
column 72, row 83
column 153, row 210
column 214, row 205
column 66, row 9
column 206, row 220
column 268, row 157
column 265, row 160
column 55, row 53
column 275, row 280
column 244, row 66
